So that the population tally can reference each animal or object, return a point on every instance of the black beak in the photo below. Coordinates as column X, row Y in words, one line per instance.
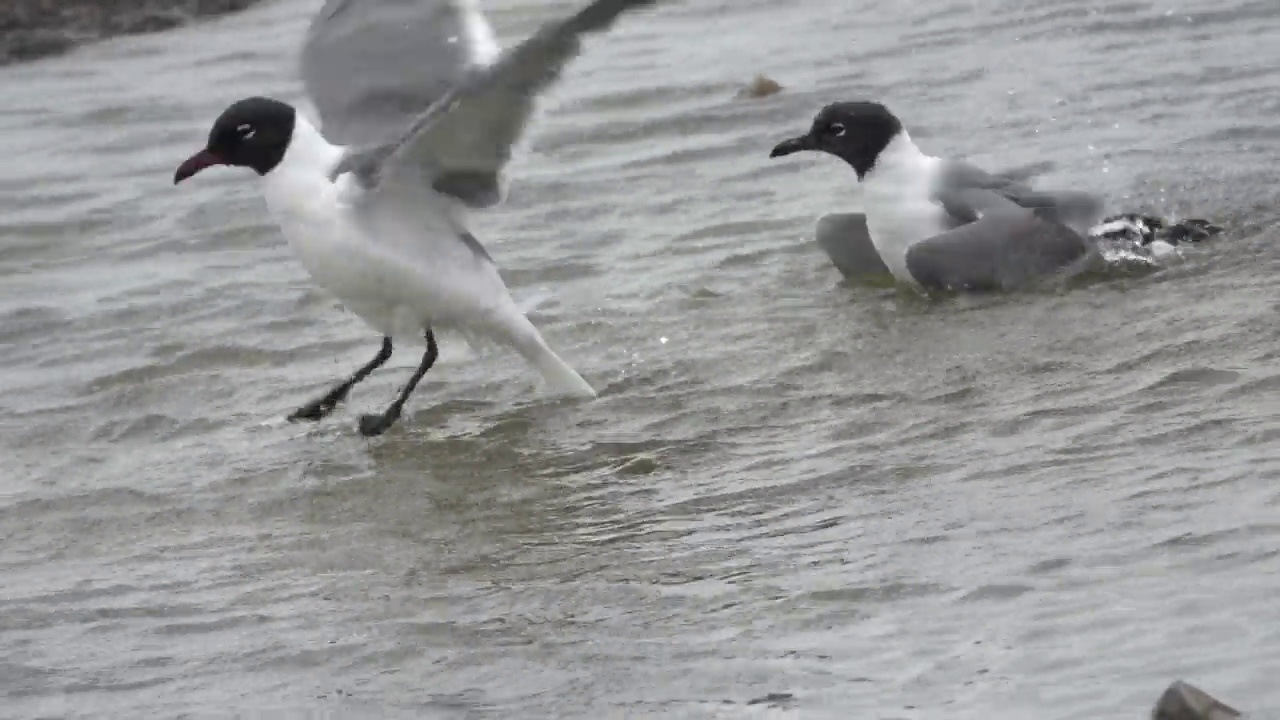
column 194, row 164
column 794, row 145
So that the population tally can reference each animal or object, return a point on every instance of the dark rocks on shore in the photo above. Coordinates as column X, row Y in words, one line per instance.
column 31, row 29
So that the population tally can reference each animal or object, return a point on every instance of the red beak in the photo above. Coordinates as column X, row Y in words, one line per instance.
column 196, row 163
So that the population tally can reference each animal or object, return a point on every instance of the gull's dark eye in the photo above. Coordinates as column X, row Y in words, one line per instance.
column 835, row 129
column 246, row 131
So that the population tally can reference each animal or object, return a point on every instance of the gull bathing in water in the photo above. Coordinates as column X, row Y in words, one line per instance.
column 419, row 114
column 937, row 223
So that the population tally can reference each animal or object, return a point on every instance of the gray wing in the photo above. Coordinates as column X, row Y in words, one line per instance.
column 371, row 66
column 1077, row 210
column 463, row 141
column 1004, row 247
column 846, row 240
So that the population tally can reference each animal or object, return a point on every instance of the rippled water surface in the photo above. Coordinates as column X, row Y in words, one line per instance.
column 837, row 501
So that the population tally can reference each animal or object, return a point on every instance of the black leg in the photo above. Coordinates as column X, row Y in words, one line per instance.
column 322, row 406
column 377, row 424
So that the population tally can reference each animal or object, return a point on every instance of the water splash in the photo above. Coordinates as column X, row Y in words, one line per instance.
column 1134, row 239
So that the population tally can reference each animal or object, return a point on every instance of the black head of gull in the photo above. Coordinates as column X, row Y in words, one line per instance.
column 856, row 132
column 253, row 133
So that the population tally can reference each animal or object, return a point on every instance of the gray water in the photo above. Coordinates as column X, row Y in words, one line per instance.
column 848, row 500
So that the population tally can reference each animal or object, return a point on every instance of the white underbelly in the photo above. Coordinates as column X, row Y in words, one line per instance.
column 893, row 232
column 398, row 288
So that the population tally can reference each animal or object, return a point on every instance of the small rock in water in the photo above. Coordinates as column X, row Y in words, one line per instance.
column 1187, row 702
column 761, row 86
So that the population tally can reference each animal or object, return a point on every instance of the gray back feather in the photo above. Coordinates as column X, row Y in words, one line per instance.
column 1077, row 210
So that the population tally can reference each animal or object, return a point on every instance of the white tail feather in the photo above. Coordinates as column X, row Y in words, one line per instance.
column 560, row 378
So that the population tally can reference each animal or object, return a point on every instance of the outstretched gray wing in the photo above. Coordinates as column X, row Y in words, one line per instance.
column 1077, row 210
column 371, row 67
column 463, row 141
column 1004, row 247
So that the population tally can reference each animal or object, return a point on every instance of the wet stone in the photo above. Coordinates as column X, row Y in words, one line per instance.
column 1182, row 701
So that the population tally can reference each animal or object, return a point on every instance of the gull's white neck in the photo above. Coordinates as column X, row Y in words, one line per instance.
column 899, row 163
column 308, row 152
column 897, row 198
column 299, row 194
column 300, row 183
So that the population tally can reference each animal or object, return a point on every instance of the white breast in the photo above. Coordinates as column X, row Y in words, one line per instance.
column 896, row 197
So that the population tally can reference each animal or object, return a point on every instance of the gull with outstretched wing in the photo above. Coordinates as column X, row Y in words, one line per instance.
column 419, row 112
